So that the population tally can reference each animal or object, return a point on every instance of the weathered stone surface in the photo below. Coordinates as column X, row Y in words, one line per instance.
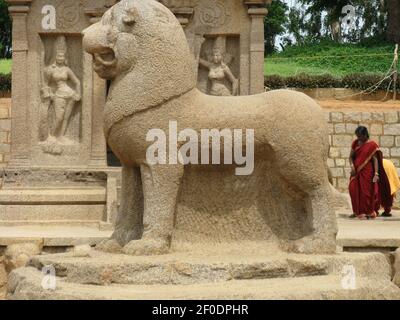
column 4, row 114
column 387, row 141
column 159, row 53
column 17, row 255
column 53, row 234
column 337, row 172
column 340, row 162
column 3, row 275
column 340, row 128
column 391, row 117
column 337, row 116
column 386, row 152
column 82, row 250
column 27, row 286
column 352, row 116
column 391, row 129
column 394, row 152
column 331, row 163
column 376, row 129
column 345, row 152
column 327, row 116
column 342, row 140
column 382, row 233
column 396, row 278
column 210, row 276
column 334, row 152
column 351, row 127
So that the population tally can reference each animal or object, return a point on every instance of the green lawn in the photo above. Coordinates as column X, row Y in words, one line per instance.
column 5, row 66
column 286, row 68
column 332, row 58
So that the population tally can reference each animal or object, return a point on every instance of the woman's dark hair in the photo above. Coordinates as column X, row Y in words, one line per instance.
column 362, row 131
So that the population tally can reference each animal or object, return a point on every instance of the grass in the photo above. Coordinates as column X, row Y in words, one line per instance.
column 5, row 66
column 324, row 57
column 332, row 58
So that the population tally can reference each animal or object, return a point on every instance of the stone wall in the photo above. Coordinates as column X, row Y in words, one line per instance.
column 384, row 128
column 5, row 128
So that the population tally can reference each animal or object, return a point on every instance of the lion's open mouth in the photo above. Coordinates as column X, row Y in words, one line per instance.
column 104, row 60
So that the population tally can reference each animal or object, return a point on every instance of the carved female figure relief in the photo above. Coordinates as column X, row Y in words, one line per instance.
column 58, row 94
column 219, row 72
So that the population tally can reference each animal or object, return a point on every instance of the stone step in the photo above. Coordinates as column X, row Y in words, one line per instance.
column 53, row 195
column 52, row 234
column 60, row 212
column 50, row 223
column 58, row 204
column 203, row 267
column 26, row 283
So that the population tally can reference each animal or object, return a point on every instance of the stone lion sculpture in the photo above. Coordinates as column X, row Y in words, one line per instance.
column 140, row 46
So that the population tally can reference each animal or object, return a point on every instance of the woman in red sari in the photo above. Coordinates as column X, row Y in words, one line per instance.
column 369, row 186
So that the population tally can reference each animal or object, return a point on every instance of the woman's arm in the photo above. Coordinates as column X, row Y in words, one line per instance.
column 233, row 80
column 376, row 169
column 46, row 90
column 205, row 63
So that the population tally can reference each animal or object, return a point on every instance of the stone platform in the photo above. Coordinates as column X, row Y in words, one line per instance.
column 380, row 234
column 52, row 236
column 230, row 272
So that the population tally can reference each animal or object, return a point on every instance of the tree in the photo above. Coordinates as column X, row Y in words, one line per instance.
column 393, row 21
column 5, row 31
column 275, row 23
column 334, row 10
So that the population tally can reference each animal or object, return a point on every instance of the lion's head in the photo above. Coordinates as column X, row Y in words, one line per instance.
column 141, row 47
column 112, row 41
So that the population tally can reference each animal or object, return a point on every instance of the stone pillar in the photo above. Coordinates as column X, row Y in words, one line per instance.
column 98, row 154
column 257, row 13
column 20, row 130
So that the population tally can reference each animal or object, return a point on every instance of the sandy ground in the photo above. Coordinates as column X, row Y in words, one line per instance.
column 360, row 105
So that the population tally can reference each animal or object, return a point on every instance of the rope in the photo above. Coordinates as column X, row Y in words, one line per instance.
column 334, row 56
column 388, row 89
column 370, row 89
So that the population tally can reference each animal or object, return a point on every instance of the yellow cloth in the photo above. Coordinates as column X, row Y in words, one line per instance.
column 392, row 175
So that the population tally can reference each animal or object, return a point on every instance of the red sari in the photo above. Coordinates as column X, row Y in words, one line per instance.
column 366, row 196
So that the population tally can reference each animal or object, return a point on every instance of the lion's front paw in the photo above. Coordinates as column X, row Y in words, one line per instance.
column 110, row 245
column 146, row 247
column 310, row 245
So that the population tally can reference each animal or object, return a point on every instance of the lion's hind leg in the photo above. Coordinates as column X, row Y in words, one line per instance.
column 306, row 171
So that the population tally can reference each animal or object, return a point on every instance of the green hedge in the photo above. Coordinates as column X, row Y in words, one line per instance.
column 352, row 81
column 5, row 82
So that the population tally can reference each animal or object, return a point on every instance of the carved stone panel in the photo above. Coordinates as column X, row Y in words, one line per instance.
column 219, row 66
column 61, row 93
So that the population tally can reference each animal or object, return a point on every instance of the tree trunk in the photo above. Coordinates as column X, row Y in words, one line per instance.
column 334, row 24
column 393, row 28
column 336, row 31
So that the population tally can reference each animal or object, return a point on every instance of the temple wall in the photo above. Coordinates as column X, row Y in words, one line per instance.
column 5, row 131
